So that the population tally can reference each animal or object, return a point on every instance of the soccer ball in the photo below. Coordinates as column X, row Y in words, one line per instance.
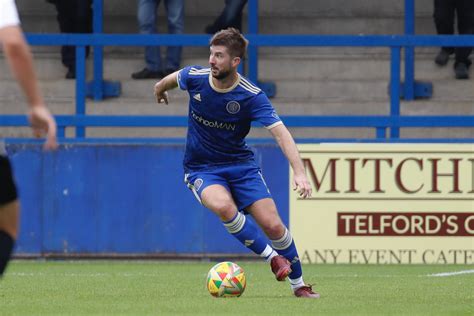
column 226, row 279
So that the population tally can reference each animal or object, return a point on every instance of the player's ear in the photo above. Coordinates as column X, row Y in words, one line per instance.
column 235, row 61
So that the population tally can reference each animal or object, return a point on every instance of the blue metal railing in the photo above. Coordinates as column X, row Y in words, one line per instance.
column 381, row 123
column 395, row 42
column 409, row 85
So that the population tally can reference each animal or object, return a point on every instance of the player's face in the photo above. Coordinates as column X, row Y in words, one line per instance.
column 221, row 62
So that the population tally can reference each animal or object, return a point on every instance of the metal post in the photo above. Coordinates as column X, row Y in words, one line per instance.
column 98, row 51
column 395, row 88
column 253, row 49
column 80, row 86
column 61, row 132
column 380, row 132
column 409, row 87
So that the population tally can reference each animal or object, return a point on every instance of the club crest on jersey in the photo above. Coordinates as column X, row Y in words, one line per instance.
column 198, row 183
column 233, row 107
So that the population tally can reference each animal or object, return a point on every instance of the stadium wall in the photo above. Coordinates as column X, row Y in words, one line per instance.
column 119, row 199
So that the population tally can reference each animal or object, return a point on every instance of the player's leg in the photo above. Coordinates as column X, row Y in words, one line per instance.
column 219, row 200
column 147, row 15
column 444, row 22
column 465, row 19
column 212, row 191
column 175, row 13
column 9, row 210
column 266, row 215
column 251, row 192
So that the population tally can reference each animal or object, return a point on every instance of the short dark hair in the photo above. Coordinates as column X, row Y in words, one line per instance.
column 231, row 38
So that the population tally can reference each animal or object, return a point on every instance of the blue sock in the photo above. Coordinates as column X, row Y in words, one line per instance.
column 285, row 246
column 248, row 234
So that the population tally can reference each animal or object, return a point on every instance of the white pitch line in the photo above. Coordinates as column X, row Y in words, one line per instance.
column 98, row 274
column 444, row 274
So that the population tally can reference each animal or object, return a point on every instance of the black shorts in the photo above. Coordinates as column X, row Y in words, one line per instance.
column 7, row 185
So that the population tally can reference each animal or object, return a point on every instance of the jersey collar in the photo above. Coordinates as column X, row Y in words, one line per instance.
column 236, row 83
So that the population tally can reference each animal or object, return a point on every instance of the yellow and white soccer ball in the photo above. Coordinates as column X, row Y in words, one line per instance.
column 226, row 279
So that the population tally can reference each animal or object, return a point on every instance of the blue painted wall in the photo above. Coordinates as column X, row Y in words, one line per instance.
column 124, row 199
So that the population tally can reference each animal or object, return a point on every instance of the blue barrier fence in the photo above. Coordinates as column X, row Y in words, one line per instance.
column 120, row 199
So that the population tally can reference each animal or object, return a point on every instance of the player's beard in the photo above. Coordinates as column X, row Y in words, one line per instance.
column 221, row 74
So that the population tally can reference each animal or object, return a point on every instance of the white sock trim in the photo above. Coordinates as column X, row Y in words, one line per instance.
column 283, row 242
column 268, row 253
column 236, row 224
column 296, row 283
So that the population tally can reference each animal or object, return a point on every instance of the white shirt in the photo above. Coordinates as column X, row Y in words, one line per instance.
column 8, row 13
column 8, row 17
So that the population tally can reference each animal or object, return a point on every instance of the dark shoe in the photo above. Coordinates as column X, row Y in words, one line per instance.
column 461, row 71
column 71, row 74
column 442, row 58
column 281, row 267
column 306, row 291
column 145, row 73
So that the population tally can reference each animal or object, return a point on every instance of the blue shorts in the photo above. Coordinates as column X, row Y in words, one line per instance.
column 243, row 180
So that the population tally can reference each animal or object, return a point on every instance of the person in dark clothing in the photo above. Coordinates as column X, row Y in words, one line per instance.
column 231, row 16
column 147, row 18
column 444, row 13
column 74, row 16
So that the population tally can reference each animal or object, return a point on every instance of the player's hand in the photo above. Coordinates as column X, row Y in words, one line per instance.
column 161, row 96
column 302, row 185
column 43, row 124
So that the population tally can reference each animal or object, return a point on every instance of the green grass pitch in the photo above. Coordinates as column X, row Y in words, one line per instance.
column 178, row 288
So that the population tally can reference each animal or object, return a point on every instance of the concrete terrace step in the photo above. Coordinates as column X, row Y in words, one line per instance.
column 364, row 8
column 310, row 90
column 302, row 89
column 267, row 25
column 301, row 133
column 298, row 133
column 367, row 90
column 271, row 68
column 276, row 16
column 284, row 106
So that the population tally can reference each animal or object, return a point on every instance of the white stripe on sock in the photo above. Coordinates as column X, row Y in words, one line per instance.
column 283, row 242
column 237, row 224
column 296, row 283
column 268, row 253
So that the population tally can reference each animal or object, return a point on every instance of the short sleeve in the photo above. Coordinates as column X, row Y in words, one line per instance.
column 263, row 112
column 183, row 76
column 8, row 14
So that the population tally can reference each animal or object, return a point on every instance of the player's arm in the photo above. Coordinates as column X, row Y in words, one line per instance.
column 288, row 146
column 20, row 60
column 167, row 83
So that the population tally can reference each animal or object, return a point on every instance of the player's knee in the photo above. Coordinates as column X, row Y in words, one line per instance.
column 225, row 210
column 274, row 229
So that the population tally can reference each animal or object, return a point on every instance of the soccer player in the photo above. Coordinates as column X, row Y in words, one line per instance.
column 221, row 169
column 19, row 57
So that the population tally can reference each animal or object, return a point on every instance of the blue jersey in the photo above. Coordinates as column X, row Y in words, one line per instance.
column 219, row 120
